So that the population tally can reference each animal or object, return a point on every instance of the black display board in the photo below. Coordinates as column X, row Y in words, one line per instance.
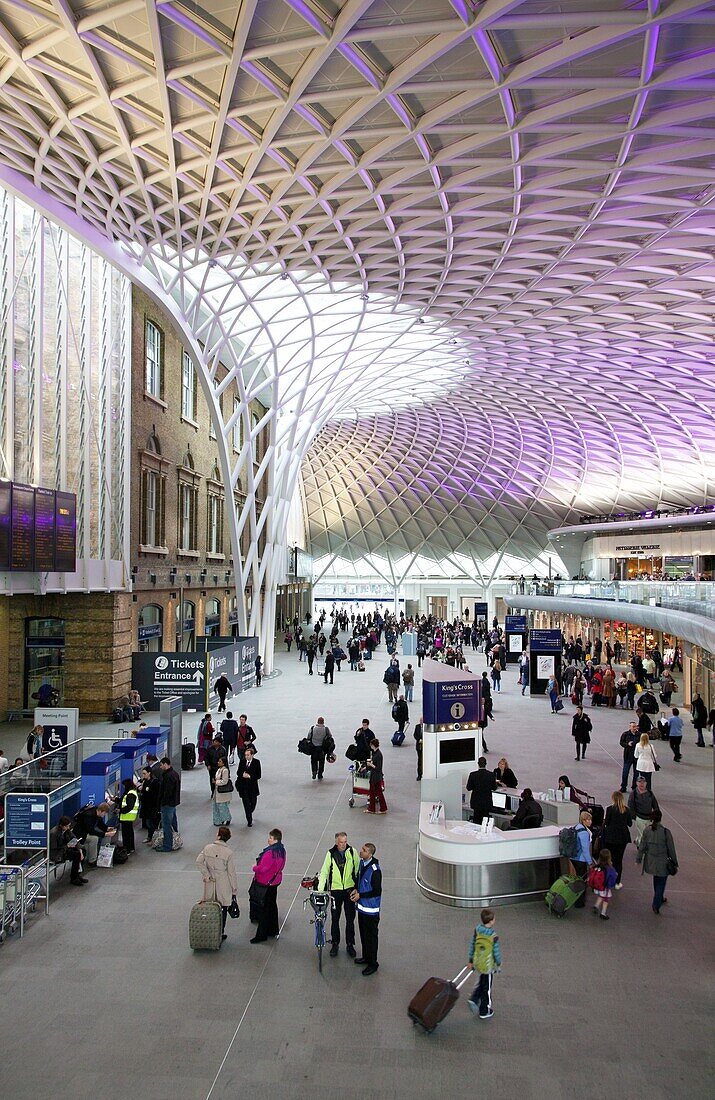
column 65, row 532
column 38, row 529
column 44, row 530
column 22, row 527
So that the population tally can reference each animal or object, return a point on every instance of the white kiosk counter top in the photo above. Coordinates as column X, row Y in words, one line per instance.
column 457, row 865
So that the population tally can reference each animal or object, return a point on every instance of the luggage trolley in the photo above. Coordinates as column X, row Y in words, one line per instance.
column 361, row 782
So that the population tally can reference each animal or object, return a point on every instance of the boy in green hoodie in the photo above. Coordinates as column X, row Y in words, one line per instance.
column 485, row 958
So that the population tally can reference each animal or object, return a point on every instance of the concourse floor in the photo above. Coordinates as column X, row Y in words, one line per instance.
column 104, row 997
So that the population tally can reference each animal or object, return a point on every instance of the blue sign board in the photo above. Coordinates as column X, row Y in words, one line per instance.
column 515, row 624
column 453, row 701
column 27, row 820
column 545, row 641
column 481, row 610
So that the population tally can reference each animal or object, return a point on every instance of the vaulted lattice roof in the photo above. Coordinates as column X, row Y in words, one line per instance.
column 535, row 176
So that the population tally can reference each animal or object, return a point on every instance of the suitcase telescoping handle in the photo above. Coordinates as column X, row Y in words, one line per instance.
column 463, row 976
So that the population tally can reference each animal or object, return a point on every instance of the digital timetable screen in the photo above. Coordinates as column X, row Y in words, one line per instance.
column 38, row 529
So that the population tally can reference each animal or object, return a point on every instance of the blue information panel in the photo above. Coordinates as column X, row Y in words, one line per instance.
column 27, row 820
column 515, row 624
column 450, row 702
column 545, row 641
column 481, row 610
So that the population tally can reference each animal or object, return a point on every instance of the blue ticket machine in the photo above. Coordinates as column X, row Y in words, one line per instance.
column 133, row 751
column 158, row 738
column 101, row 778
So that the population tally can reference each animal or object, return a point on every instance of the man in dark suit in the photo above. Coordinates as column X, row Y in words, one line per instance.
column 481, row 783
column 247, row 776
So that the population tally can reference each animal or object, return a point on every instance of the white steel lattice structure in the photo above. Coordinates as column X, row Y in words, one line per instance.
column 529, row 183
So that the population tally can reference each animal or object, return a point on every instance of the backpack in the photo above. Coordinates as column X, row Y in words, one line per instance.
column 597, row 878
column 395, row 711
column 569, row 846
column 483, row 957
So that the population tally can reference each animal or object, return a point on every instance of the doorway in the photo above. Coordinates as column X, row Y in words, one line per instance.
column 44, row 657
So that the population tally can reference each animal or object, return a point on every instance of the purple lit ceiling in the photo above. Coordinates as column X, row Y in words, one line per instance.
column 536, row 176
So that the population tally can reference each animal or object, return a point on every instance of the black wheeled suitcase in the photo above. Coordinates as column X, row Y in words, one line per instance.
column 435, row 1000
column 188, row 756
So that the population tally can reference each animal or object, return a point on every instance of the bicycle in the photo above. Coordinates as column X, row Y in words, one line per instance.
column 321, row 902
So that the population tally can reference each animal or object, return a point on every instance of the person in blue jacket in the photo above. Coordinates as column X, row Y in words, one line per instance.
column 584, row 859
column 367, row 895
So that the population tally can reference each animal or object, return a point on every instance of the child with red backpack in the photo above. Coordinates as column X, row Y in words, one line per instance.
column 602, row 878
column 485, row 958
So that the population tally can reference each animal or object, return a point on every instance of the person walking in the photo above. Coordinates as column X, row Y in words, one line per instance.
column 496, row 674
column 391, row 679
column 339, row 875
column 311, row 651
column 584, row 859
column 218, row 871
column 245, row 736
column 367, row 896
column 486, row 958
column 581, row 727
column 642, row 803
column 169, row 800
column 602, row 879
column 646, row 760
column 617, row 832
column 329, row 666
column 229, row 733
column 408, row 682
column 212, row 753
column 222, row 792
column 268, row 874
column 675, row 734
column 258, row 664
column 628, row 743
column 401, row 714
column 222, row 688
column 481, row 783
column 320, row 739
column 288, row 639
column 204, row 736
column 128, row 813
column 656, row 851
column 700, row 718
column 247, row 776
column 552, row 689
column 524, row 671
column 377, row 780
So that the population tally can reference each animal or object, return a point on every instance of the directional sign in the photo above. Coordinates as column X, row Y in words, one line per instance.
column 160, row 676
column 27, row 820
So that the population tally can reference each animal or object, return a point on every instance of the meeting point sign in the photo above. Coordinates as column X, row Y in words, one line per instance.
column 158, row 676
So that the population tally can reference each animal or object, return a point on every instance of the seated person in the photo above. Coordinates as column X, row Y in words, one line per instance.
column 504, row 775
column 65, row 846
column 136, row 703
column 90, row 827
column 529, row 814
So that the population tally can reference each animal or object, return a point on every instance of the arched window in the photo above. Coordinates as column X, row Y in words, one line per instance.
column 150, row 628
column 212, row 618
column 186, row 626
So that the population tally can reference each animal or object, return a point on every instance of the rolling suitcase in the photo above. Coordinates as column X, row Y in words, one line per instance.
column 206, row 925
column 188, row 756
column 435, row 1000
column 564, row 893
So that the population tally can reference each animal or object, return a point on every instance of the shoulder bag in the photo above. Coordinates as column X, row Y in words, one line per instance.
column 257, row 891
column 225, row 788
column 656, row 765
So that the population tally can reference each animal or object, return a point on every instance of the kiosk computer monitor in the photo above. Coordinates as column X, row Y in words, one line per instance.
column 457, row 750
column 499, row 800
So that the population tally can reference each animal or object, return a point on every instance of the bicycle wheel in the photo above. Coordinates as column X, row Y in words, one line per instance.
column 320, row 943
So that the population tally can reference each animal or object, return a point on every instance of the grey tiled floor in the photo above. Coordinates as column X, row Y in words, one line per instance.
column 103, row 997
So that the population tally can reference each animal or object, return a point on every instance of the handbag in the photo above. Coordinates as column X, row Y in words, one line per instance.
column 233, row 910
column 655, row 762
column 225, row 788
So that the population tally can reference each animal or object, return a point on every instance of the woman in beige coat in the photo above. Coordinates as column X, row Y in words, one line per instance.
column 218, row 870
column 222, row 799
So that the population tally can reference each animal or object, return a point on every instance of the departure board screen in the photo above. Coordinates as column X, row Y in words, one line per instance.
column 38, row 529
column 44, row 530
column 5, row 510
column 65, row 532
column 22, row 536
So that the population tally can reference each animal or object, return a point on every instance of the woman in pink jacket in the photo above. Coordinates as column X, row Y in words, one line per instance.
column 268, row 873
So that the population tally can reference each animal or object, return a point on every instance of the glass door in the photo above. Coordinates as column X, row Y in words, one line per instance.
column 44, row 662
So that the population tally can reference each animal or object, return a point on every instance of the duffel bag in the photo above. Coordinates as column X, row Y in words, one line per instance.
column 305, row 745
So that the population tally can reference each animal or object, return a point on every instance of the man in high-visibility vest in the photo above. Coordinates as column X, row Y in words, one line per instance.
column 367, row 895
column 339, row 875
column 128, row 813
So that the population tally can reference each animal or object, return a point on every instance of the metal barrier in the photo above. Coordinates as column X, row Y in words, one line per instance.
column 20, row 891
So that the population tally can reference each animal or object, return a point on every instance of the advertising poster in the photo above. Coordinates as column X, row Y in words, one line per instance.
column 544, row 666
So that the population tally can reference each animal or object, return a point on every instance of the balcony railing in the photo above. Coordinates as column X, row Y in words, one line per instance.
column 696, row 597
